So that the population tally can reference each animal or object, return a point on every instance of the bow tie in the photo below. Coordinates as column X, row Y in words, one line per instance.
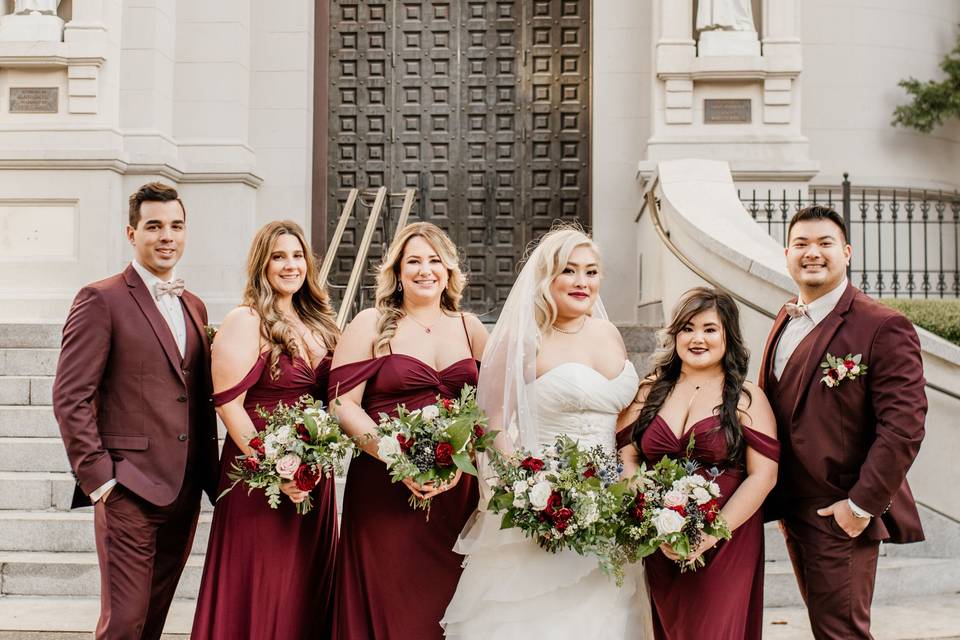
column 173, row 288
column 796, row 310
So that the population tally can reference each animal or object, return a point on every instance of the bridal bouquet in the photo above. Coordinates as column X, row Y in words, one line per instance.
column 298, row 443
column 674, row 503
column 431, row 443
column 568, row 498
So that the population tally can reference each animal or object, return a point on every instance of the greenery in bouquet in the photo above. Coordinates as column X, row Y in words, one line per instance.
column 432, row 443
column 674, row 503
column 299, row 443
column 567, row 498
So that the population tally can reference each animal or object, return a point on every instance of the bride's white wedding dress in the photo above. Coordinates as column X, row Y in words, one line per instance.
column 510, row 587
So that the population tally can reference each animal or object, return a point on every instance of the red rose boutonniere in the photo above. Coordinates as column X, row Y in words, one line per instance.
column 837, row 369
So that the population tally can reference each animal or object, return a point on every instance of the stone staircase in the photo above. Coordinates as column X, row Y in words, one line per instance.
column 49, row 580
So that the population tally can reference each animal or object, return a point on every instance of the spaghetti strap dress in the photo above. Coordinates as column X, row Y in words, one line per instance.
column 268, row 572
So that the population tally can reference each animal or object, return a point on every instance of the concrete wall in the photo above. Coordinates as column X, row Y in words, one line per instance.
column 854, row 53
column 622, row 103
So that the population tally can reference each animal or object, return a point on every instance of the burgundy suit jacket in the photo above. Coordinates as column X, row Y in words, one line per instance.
column 856, row 440
column 129, row 407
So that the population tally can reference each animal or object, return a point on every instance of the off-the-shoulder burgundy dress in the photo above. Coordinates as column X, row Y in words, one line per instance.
column 269, row 572
column 723, row 599
column 396, row 571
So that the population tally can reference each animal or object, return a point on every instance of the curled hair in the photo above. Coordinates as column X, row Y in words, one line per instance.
column 667, row 366
column 389, row 297
column 311, row 302
column 550, row 257
column 151, row 192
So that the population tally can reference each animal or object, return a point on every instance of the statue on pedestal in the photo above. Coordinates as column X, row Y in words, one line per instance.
column 726, row 28
column 32, row 21
column 33, row 7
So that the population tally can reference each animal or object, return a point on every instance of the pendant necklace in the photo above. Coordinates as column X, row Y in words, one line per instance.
column 426, row 328
column 571, row 332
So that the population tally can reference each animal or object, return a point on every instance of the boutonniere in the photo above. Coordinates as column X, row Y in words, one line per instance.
column 836, row 369
column 211, row 332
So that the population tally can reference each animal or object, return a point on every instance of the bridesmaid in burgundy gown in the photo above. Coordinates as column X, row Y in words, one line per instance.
column 269, row 572
column 396, row 571
column 698, row 388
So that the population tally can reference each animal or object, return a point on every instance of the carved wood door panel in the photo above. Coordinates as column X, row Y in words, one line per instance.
column 482, row 105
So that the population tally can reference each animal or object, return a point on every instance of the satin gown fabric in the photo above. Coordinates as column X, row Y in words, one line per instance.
column 269, row 572
column 396, row 571
column 723, row 599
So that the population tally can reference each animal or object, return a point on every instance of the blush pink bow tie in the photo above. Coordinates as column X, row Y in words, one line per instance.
column 173, row 288
column 796, row 310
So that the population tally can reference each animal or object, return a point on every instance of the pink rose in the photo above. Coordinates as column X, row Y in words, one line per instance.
column 287, row 466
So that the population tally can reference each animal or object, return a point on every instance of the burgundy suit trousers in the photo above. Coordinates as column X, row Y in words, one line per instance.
column 142, row 549
column 836, row 574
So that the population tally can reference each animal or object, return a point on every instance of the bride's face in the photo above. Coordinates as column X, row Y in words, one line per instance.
column 575, row 290
column 701, row 342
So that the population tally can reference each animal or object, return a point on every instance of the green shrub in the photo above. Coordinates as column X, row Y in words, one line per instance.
column 941, row 317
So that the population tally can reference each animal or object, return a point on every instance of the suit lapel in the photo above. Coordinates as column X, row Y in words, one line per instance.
column 769, row 350
column 143, row 298
column 195, row 318
column 824, row 333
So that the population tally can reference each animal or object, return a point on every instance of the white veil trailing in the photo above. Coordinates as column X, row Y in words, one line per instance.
column 507, row 387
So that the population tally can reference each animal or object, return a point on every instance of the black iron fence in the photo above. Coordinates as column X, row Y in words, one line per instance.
column 906, row 243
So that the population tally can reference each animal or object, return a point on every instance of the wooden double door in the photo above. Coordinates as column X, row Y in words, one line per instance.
column 483, row 106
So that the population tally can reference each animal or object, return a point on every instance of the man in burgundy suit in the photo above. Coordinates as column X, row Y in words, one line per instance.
column 847, row 435
column 132, row 397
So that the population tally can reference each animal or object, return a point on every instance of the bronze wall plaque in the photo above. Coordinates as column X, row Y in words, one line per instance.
column 34, row 99
column 726, row 111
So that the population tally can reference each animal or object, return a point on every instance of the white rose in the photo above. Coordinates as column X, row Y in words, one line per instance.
column 388, row 448
column 674, row 498
column 701, row 495
column 283, row 435
column 270, row 445
column 287, row 466
column 519, row 500
column 667, row 521
column 841, row 372
column 855, row 371
column 430, row 412
column 696, row 481
column 714, row 489
column 520, row 487
column 539, row 494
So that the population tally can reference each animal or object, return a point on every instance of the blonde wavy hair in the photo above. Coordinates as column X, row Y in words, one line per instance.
column 311, row 303
column 550, row 257
column 389, row 297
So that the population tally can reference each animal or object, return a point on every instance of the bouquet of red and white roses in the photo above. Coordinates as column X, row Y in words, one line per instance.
column 674, row 503
column 566, row 498
column 431, row 443
column 299, row 443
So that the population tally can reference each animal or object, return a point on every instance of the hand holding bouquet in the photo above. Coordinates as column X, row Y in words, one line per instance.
column 431, row 444
column 675, row 504
column 298, row 444
column 567, row 498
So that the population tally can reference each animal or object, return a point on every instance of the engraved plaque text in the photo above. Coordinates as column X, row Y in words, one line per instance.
column 726, row 111
column 33, row 99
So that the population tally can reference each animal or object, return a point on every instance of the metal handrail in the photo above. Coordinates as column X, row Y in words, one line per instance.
column 650, row 202
column 338, row 234
column 360, row 261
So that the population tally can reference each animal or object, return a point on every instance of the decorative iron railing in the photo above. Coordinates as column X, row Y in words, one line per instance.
column 906, row 243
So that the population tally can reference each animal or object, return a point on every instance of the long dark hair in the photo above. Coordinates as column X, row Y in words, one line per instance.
column 667, row 366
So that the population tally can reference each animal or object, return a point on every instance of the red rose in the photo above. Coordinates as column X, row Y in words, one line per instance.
column 306, row 477
column 404, row 443
column 562, row 518
column 303, row 433
column 554, row 503
column 443, row 454
column 447, row 404
column 532, row 464
column 636, row 510
column 710, row 511
column 682, row 510
column 251, row 464
column 849, row 364
column 478, row 430
column 590, row 472
column 833, row 374
column 256, row 444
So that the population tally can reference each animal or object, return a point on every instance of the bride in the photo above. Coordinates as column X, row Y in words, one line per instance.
column 554, row 365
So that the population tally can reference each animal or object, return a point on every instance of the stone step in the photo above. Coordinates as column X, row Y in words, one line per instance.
column 30, row 336
column 64, row 531
column 28, row 422
column 33, row 454
column 28, row 361
column 73, row 618
column 26, row 390
column 43, row 573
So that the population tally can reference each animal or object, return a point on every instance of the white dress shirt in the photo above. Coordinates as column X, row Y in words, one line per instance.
column 172, row 312
column 799, row 328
